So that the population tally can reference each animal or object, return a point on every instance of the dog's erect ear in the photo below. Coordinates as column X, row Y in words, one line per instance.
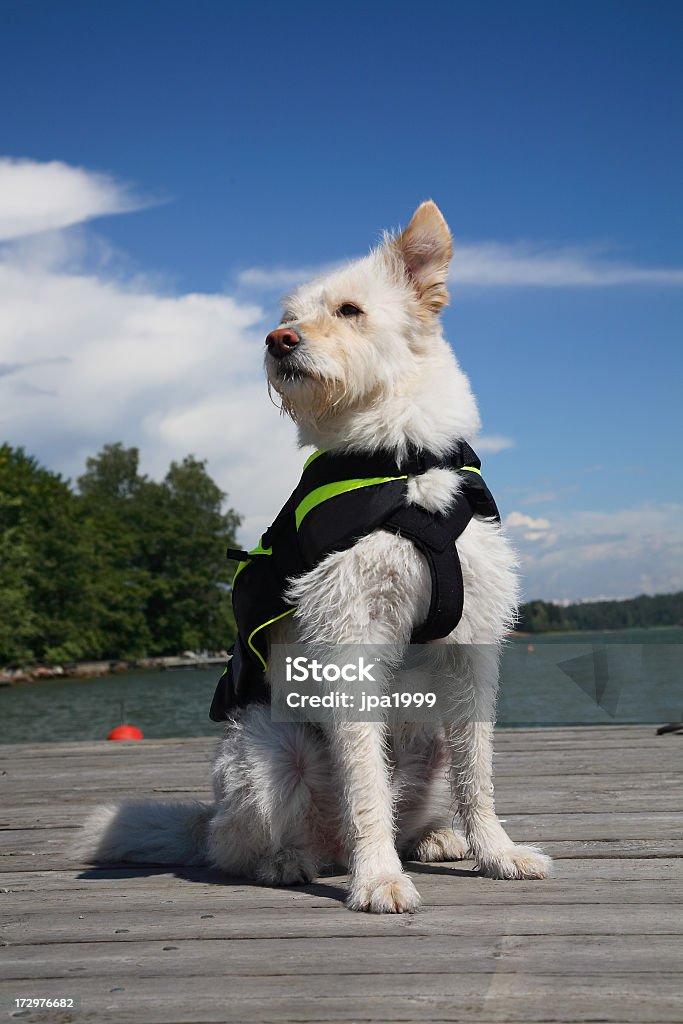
column 425, row 247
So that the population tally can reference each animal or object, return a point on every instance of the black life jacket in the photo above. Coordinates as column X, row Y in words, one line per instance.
column 338, row 500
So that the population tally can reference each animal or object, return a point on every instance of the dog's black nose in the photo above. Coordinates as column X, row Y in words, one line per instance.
column 282, row 341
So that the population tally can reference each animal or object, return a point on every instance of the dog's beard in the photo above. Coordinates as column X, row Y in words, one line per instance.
column 315, row 400
column 290, row 371
column 307, row 398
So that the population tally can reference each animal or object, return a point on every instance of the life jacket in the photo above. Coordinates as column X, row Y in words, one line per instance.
column 338, row 500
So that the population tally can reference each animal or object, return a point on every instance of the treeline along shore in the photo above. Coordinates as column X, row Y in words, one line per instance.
column 116, row 567
column 118, row 571
column 641, row 612
column 97, row 669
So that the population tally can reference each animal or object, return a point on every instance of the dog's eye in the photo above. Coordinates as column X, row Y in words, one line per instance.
column 287, row 317
column 348, row 309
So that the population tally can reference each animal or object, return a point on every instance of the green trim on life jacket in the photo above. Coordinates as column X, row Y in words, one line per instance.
column 311, row 458
column 263, row 625
column 312, row 500
column 258, row 550
column 328, row 491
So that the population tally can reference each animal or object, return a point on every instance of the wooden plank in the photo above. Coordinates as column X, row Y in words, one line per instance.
column 547, row 738
column 163, row 891
column 569, row 871
column 128, row 920
column 561, row 850
column 22, row 799
column 189, row 752
column 450, row 887
column 597, row 955
column 478, row 997
column 16, row 779
column 544, row 739
column 535, row 827
column 623, row 848
column 600, row 824
column 531, row 765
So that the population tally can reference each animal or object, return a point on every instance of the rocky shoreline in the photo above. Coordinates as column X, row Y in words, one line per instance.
column 96, row 669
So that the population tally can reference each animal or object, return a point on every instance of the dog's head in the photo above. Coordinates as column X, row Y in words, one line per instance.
column 367, row 338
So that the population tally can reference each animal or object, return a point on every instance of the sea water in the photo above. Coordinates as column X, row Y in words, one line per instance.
column 626, row 677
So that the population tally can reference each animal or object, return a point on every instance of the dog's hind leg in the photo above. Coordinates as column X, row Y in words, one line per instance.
column 470, row 733
column 424, row 818
column 240, row 846
column 269, row 780
column 438, row 845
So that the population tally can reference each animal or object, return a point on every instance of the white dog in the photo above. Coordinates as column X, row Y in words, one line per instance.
column 361, row 364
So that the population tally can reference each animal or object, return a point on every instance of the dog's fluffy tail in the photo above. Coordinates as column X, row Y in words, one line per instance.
column 146, row 832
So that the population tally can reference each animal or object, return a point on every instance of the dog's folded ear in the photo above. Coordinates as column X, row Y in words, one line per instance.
column 425, row 248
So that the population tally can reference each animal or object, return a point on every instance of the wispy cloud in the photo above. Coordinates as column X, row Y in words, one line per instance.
column 531, row 265
column 491, row 444
column 36, row 197
column 503, row 265
column 543, row 497
column 615, row 553
column 532, row 529
column 278, row 279
column 518, row 519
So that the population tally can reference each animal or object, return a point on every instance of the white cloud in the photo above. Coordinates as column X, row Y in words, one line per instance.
column 541, row 497
column 535, row 529
column 615, row 553
column 526, row 264
column 277, row 279
column 86, row 358
column 37, row 197
column 504, row 265
column 493, row 443
column 516, row 520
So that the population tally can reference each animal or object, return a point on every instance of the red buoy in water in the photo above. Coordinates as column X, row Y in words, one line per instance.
column 125, row 732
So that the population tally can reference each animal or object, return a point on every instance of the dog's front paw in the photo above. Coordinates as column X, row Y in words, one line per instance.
column 286, row 867
column 392, row 894
column 516, row 862
column 440, row 844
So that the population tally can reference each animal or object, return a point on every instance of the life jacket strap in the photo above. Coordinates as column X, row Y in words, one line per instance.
column 236, row 555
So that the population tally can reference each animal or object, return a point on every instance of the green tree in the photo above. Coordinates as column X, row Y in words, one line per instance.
column 185, row 539
column 110, row 497
column 43, row 574
column 17, row 621
column 161, row 577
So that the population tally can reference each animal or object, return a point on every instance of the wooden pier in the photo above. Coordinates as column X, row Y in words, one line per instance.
column 600, row 941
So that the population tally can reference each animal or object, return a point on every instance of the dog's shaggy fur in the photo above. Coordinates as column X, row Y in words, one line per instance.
column 372, row 370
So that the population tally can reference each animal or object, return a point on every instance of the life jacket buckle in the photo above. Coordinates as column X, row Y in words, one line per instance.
column 235, row 555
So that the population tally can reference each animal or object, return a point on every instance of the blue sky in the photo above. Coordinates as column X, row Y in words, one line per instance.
column 251, row 143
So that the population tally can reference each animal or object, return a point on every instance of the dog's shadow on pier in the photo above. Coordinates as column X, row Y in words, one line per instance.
column 207, row 876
